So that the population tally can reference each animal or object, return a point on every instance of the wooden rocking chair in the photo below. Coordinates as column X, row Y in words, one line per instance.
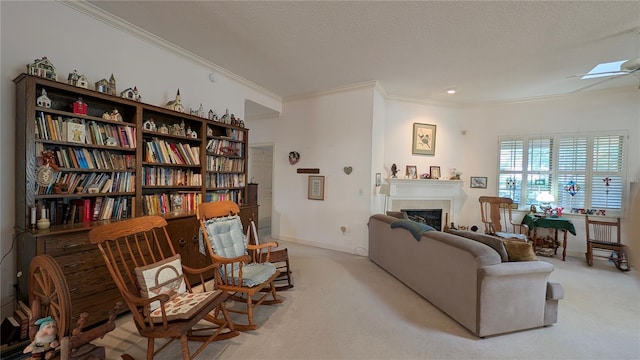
column 497, row 220
column 146, row 269
column 239, row 273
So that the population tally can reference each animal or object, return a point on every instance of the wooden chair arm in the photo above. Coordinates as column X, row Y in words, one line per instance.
column 222, row 261
column 269, row 244
column 198, row 271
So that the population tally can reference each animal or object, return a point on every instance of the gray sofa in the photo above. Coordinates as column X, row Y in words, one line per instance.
column 467, row 279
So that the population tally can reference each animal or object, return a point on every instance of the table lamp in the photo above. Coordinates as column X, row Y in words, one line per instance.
column 545, row 199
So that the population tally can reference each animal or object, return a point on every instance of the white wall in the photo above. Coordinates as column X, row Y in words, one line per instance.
column 330, row 132
column 71, row 40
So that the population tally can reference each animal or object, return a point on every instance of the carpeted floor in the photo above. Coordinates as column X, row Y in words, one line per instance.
column 345, row 307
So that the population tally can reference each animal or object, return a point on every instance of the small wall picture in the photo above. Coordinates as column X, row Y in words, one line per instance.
column 478, row 182
column 316, row 187
column 378, row 179
column 411, row 172
column 424, row 139
column 435, row 172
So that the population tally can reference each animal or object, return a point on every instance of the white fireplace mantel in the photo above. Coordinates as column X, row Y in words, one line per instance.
column 424, row 190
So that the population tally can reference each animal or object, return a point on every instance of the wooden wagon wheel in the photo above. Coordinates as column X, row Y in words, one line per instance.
column 49, row 293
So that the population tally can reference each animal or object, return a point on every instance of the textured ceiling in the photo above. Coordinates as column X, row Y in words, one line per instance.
column 488, row 51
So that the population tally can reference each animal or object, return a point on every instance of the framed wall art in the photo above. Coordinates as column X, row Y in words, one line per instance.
column 435, row 172
column 378, row 179
column 316, row 187
column 424, row 139
column 411, row 172
column 478, row 182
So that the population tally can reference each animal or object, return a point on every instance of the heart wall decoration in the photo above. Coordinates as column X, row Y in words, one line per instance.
column 348, row 170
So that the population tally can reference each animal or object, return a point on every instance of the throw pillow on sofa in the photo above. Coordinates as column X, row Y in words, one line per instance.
column 416, row 228
column 495, row 243
column 520, row 250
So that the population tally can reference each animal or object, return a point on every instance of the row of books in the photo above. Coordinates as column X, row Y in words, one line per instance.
column 82, row 158
column 225, row 147
column 162, row 151
column 159, row 176
column 65, row 211
column 163, row 203
column 216, row 163
column 105, row 134
column 15, row 327
column 92, row 183
column 224, row 180
column 232, row 195
column 77, row 131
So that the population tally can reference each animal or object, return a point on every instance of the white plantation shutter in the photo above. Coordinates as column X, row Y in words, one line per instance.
column 606, row 179
column 511, row 165
column 572, row 169
column 539, row 166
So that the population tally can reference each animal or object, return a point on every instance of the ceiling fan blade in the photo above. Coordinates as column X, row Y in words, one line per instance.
column 601, row 81
column 610, row 73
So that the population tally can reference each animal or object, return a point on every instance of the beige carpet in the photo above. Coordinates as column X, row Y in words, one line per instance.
column 345, row 307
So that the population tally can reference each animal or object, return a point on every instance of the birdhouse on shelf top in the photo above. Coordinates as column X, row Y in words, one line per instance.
column 176, row 105
column 107, row 86
column 78, row 80
column 130, row 93
column 43, row 68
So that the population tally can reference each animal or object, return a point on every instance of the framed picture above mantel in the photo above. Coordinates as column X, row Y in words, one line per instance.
column 424, row 139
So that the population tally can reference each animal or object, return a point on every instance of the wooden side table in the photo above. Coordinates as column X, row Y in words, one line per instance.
column 557, row 224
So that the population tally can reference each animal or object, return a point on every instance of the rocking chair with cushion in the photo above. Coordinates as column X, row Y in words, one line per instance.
column 497, row 220
column 152, row 280
column 239, row 273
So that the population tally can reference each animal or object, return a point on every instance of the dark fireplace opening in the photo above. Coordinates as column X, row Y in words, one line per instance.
column 431, row 217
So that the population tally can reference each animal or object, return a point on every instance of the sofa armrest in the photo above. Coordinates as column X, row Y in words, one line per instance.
column 516, row 268
column 555, row 291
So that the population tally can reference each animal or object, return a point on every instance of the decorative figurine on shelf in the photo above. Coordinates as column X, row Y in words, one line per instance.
column 294, row 157
column 46, row 173
column 107, row 86
column 198, row 112
column 212, row 115
column 226, row 118
column 45, row 342
column 394, row 171
column 209, row 131
column 176, row 105
column 43, row 68
column 78, row 80
column 425, row 176
column 43, row 100
column 131, row 94
column 150, row 125
column 176, row 203
column 163, row 129
column 79, row 107
column 115, row 115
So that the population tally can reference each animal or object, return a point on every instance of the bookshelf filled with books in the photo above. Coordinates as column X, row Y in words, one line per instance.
column 91, row 157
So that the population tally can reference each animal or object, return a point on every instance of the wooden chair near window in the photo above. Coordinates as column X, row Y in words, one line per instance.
column 244, row 269
column 152, row 280
column 604, row 241
column 497, row 218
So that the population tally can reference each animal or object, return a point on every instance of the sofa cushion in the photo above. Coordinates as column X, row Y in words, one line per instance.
column 520, row 250
column 416, row 228
column 495, row 243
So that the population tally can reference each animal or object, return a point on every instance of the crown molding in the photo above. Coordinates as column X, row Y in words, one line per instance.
column 371, row 83
column 118, row 23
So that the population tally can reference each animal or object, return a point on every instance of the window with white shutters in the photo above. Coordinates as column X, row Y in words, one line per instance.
column 581, row 171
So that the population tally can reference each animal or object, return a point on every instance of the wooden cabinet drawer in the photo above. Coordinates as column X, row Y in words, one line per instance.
column 67, row 243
